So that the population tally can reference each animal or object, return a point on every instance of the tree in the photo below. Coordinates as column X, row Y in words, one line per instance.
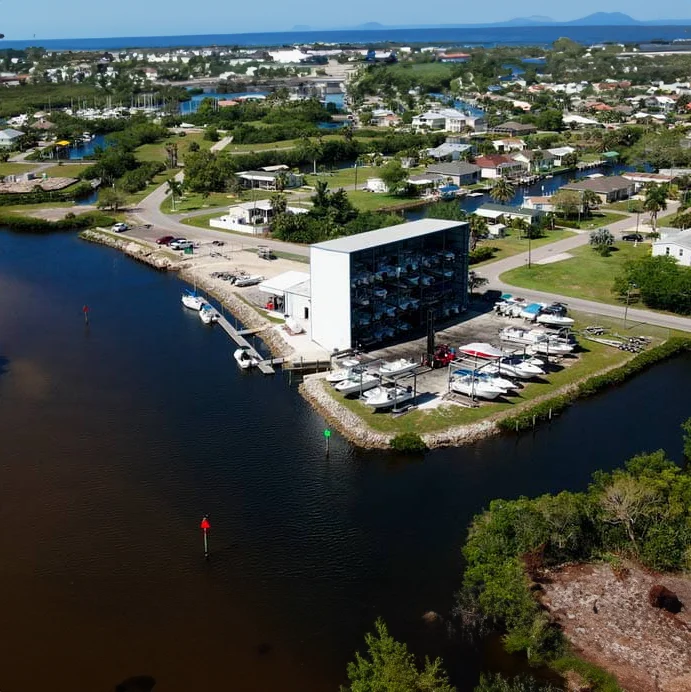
column 393, row 175
column 567, row 203
column 476, row 281
column 655, row 202
column 602, row 241
column 174, row 189
column 686, row 428
column 502, row 191
column 498, row 683
column 211, row 134
column 478, row 230
column 589, row 200
column 388, row 666
column 172, row 154
column 279, row 204
column 110, row 198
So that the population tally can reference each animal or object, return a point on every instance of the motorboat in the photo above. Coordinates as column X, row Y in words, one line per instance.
column 491, row 378
column 385, row 397
column 249, row 280
column 413, row 280
column 550, row 319
column 208, row 314
column 244, row 358
column 393, row 368
column 343, row 372
column 356, row 383
column 481, row 350
column 537, row 341
column 474, row 387
column 191, row 300
column 380, row 292
column 427, row 280
column 531, row 311
column 515, row 366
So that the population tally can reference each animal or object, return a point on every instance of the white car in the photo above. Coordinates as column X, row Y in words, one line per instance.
column 180, row 244
column 119, row 227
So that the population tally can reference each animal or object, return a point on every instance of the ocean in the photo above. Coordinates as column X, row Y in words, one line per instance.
column 487, row 36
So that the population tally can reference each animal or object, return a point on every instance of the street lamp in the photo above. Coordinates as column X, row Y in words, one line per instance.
column 628, row 298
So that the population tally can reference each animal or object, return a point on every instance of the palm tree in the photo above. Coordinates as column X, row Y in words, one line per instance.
column 279, row 205
column 281, row 181
column 502, row 191
column 589, row 199
column 174, row 189
column 478, row 229
column 655, row 202
column 321, row 196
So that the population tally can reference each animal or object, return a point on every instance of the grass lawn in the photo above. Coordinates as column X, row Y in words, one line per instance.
column 157, row 151
column 586, row 275
column 262, row 146
column 599, row 219
column 192, row 201
column 66, row 170
column 625, row 205
column 513, row 245
column 374, row 201
column 161, row 178
column 15, row 168
column 342, row 177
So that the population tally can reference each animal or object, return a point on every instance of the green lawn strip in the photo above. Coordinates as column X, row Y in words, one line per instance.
column 666, row 220
column 261, row 146
column 513, row 245
column 624, row 205
column 16, row 168
column 342, row 177
column 596, row 357
column 283, row 255
column 66, row 170
column 193, row 201
column 585, row 275
column 20, row 208
column 373, row 201
column 157, row 150
column 598, row 220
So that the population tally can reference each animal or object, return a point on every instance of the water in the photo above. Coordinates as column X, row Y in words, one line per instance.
column 470, row 36
column 116, row 438
column 192, row 105
column 86, row 149
column 330, row 126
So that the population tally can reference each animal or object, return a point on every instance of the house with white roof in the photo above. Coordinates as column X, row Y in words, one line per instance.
column 250, row 217
column 674, row 243
column 10, row 138
column 559, row 153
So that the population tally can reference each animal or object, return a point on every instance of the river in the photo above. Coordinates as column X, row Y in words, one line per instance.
column 119, row 435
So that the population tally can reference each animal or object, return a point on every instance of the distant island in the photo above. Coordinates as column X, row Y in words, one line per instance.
column 596, row 19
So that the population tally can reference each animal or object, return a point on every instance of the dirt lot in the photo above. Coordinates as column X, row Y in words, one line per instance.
column 611, row 622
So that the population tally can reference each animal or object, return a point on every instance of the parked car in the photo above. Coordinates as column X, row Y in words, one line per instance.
column 165, row 240
column 119, row 227
column 632, row 237
column 180, row 244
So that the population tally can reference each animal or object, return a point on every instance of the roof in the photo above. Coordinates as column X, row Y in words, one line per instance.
column 278, row 285
column 601, row 185
column 494, row 160
column 518, row 127
column 453, row 168
column 10, row 133
column 259, row 174
column 448, row 148
column 390, row 234
column 500, row 209
column 682, row 239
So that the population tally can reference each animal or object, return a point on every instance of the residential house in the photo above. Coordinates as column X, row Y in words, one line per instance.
column 578, row 121
column 270, row 179
column 456, row 172
column 498, row 166
column 515, row 129
column 495, row 212
column 10, row 138
column 449, row 151
column 509, row 144
column 541, row 203
column 432, row 120
column 535, row 161
column 608, row 188
column 384, row 118
column 250, row 217
column 559, row 153
column 673, row 243
column 641, row 179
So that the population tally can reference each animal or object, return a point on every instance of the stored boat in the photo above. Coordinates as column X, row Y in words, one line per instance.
column 396, row 367
column 356, row 383
column 191, row 300
column 249, row 280
column 551, row 320
column 244, row 358
column 481, row 350
column 490, row 378
column 537, row 340
column 385, row 397
column 473, row 387
column 343, row 372
column 515, row 366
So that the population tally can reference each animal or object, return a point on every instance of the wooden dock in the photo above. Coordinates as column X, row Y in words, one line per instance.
column 264, row 366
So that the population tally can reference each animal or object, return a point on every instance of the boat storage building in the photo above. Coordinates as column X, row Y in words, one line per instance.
column 381, row 286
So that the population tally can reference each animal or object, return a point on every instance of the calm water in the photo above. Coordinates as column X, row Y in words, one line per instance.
column 117, row 437
column 487, row 36
column 87, row 148
column 192, row 105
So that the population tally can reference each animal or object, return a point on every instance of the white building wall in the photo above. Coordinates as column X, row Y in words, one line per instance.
column 330, row 289
column 680, row 253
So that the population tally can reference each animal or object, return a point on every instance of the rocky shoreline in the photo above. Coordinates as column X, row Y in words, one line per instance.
column 158, row 259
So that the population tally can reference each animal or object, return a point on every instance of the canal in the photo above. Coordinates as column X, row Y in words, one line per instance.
column 119, row 435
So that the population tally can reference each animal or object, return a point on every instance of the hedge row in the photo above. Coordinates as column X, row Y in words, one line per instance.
column 593, row 385
column 78, row 191
column 71, row 222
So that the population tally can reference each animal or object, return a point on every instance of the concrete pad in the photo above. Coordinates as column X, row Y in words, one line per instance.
column 559, row 257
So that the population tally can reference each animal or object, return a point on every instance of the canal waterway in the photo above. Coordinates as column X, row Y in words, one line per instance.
column 119, row 435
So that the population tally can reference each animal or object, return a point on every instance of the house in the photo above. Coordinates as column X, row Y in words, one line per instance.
column 641, row 179
column 376, row 185
column 608, row 188
column 495, row 212
column 10, row 138
column 457, row 172
column 515, row 129
column 454, row 57
column 450, row 120
column 384, row 118
column 508, row 144
column 535, row 161
column 560, row 153
column 577, row 121
column 266, row 179
column 541, row 203
column 250, row 217
column 449, row 151
column 498, row 166
column 675, row 244
column 432, row 120
column 425, row 182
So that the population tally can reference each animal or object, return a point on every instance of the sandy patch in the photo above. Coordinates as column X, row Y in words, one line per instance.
column 559, row 257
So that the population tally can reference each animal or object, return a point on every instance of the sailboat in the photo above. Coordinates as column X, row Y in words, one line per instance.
column 191, row 300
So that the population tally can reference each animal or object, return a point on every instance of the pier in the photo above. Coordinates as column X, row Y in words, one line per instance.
column 264, row 366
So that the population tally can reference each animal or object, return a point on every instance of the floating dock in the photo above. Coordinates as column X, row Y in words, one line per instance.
column 264, row 366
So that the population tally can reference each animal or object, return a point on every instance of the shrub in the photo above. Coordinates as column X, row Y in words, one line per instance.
column 408, row 442
column 481, row 254
column 71, row 222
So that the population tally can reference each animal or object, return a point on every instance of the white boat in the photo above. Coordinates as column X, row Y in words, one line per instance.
column 244, row 359
column 491, row 378
column 343, row 372
column 356, row 383
column 474, row 387
column 385, row 397
column 191, row 300
column 537, row 341
column 481, row 350
column 515, row 366
column 551, row 320
column 208, row 314
column 393, row 368
column 249, row 280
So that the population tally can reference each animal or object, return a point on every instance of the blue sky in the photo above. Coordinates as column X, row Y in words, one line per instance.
column 85, row 18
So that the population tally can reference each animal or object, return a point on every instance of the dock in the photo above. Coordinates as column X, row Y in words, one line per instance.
column 264, row 366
